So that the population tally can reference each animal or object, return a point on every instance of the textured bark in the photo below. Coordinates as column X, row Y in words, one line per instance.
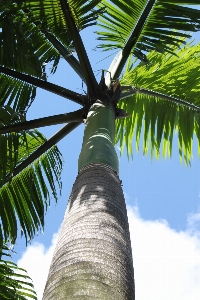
column 93, row 257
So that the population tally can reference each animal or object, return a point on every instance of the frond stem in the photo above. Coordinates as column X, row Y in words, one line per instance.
column 80, row 49
column 134, row 37
column 66, row 54
column 75, row 116
column 134, row 90
column 50, row 87
column 43, row 148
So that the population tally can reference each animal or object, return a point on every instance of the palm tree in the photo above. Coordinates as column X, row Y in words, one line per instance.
column 143, row 90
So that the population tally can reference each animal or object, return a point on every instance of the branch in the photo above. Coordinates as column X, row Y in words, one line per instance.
column 80, row 49
column 46, row 146
column 56, row 89
column 135, row 90
column 133, row 38
column 75, row 116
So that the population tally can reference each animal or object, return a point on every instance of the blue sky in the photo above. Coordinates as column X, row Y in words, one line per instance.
column 163, row 200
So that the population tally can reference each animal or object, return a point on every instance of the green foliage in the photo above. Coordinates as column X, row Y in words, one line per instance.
column 25, row 198
column 49, row 13
column 146, row 25
column 16, row 93
column 173, row 76
column 14, row 281
column 25, row 49
column 24, row 46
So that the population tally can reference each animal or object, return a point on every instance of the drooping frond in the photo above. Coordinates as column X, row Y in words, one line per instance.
column 23, row 46
column 15, row 146
column 159, row 118
column 16, row 93
column 141, row 26
column 50, row 18
column 14, row 281
column 53, row 20
column 51, row 14
column 24, row 49
column 35, row 34
column 26, row 196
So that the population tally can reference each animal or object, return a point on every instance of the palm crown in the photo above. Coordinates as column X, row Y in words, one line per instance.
column 159, row 92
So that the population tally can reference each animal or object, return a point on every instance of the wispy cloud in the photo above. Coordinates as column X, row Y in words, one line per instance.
column 166, row 262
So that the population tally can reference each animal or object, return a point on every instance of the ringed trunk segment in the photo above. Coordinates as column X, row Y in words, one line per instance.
column 93, row 257
column 99, row 134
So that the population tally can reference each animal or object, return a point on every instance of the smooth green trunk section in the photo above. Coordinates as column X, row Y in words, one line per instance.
column 98, row 140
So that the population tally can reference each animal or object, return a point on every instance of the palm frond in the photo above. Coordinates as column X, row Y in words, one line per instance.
column 15, row 146
column 33, row 36
column 159, row 119
column 23, row 46
column 118, row 21
column 14, row 281
column 90, row 79
column 25, row 49
column 50, row 13
column 141, row 26
column 25, row 197
column 16, row 93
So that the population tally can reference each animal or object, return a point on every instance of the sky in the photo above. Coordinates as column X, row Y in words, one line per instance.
column 163, row 203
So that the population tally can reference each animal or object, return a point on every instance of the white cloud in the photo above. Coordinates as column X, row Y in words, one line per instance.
column 166, row 262
column 36, row 261
column 194, row 223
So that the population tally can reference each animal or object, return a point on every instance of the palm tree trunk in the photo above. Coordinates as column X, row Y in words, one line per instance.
column 93, row 256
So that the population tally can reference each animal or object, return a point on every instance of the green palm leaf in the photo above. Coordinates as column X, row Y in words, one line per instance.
column 33, row 35
column 50, row 13
column 49, row 16
column 160, row 116
column 14, row 281
column 24, row 47
column 25, row 197
column 122, row 18
column 16, row 93
column 15, row 146
column 143, row 26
